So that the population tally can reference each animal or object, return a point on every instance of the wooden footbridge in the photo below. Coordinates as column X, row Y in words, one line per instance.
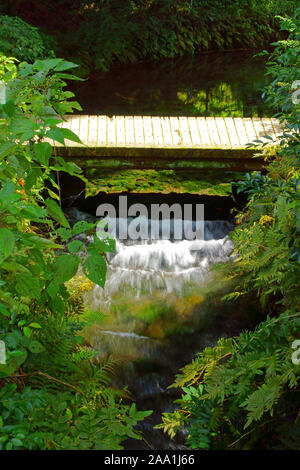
column 166, row 142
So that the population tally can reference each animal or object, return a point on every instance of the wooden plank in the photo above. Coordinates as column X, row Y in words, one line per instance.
column 129, row 130
column 148, row 131
column 93, row 131
column 66, row 124
column 232, row 133
column 222, row 131
column 240, row 128
column 111, row 131
column 166, row 129
column 250, row 130
column 259, row 128
column 84, row 129
column 139, row 131
column 267, row 123
column 176, row 132
column 194, row 131
column 75, row 127
column 120, row 126
column 213, row 132
column 185, row 132
column 203, row 131
column 277, row 128
column 102, row 131
column 157, row 131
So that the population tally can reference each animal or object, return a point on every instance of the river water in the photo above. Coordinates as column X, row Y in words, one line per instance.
column 210, row 84
column 160, row 306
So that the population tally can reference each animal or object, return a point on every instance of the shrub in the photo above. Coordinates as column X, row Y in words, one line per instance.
column 127, row 31
column 21, row 40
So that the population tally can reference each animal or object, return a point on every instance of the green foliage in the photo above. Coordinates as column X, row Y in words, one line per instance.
column 284, row 70
column 35, row 419
column 270, row 235
column 129, row 31
column 101, row 33
column 244, row 392
column 52, row 392
column 21, row 40
column 268, row 246
column 236, row 393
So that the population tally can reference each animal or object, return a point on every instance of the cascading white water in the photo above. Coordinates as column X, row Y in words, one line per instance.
column 158, row 299
column 142, row 267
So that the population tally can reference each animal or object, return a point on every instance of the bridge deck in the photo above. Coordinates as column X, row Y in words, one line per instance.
column 200, row 137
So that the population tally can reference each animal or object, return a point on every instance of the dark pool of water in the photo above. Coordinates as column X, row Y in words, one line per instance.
column 211, row 84
column 149, row 381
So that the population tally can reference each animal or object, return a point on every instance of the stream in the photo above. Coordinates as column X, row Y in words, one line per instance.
column 162, row 301
column 160, row 306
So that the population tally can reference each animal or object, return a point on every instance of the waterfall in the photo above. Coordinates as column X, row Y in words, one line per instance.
column 158, row 299
column 141, row 267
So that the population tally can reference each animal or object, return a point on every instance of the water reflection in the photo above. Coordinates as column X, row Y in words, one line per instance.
column 213, row 84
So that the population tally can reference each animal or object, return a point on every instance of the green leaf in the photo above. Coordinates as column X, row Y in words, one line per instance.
column 16, row 442
column 82, row 226
column 4, row 311
column 65, row 267
column 23, row 124
column 64, row 234
column 53, row 195
column 32, row 177
column 7, row 148
column 9, row 108
column 35, row 325
column 8, row 193
column 47, row 64
column 28, row 286
column 17, row 353
column 65, row 65
column 56, row 134
column 41, row 242
column 69, row 135
column 69, row 76
column 53, row 289
column 68, row 167
column 35, row 213
column 27, row 332
column 13, row 266
column 75, row 246
column 36, row 347
column 95, row 269
column 56, row 213
column 58, row 305
column 43, row 152
column 106, row 244
column 7, row 243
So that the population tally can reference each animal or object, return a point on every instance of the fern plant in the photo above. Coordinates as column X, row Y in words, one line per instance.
column 239, row 392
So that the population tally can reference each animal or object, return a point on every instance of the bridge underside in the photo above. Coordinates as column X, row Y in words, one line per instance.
column 157, row 163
